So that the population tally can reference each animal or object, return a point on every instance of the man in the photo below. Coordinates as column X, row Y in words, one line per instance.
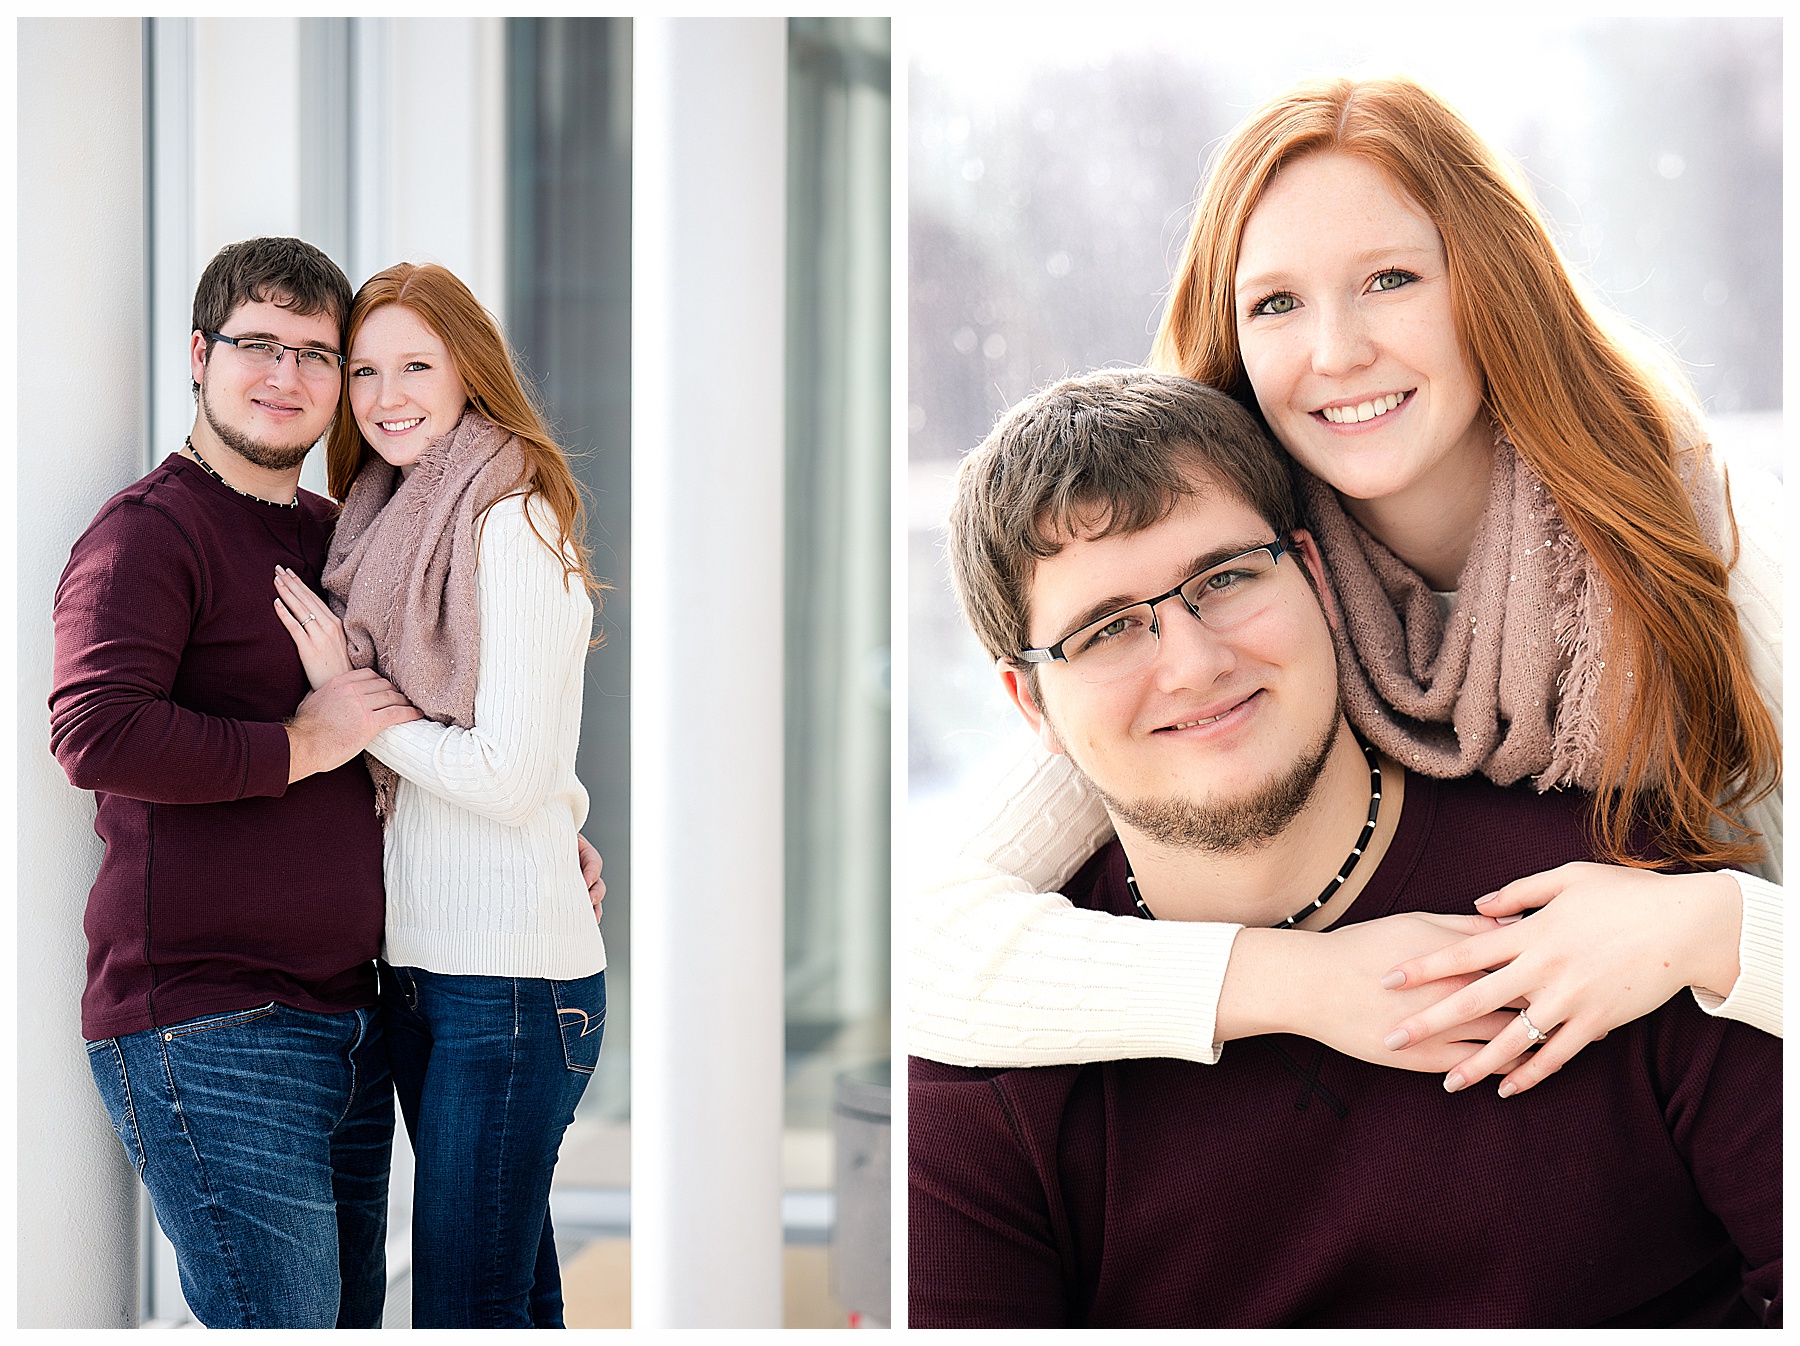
column 1124, row 545
column 233, row 928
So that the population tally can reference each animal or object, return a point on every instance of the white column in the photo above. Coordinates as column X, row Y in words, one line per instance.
column 81, row 272
column 225, row 153
column 708, row 237
column 245, row 104
column 445, row 130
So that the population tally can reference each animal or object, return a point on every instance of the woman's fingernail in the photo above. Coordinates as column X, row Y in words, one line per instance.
column 1508, row 1089
column 1489, row 898
column 1395, row 1040
column 1453, row 1081
column 1393, row 979
column 1508, row 920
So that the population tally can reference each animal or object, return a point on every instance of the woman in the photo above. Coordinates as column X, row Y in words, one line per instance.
column 457, row 570
column 1363, row 266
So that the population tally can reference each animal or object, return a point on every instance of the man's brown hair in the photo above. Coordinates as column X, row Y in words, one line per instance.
column 1103, row 453
column 286, row 271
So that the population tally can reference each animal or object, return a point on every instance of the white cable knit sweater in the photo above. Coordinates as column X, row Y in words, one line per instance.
column 481, row 867
column 1005, row 972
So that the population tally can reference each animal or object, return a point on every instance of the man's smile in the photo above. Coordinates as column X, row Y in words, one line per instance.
column 1228, row 713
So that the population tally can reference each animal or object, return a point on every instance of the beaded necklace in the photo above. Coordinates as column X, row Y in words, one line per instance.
column 1331, row 888
column 208, row 469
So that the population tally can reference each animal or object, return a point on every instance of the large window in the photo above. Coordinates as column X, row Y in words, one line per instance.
column 568, row 288
column 836, row 854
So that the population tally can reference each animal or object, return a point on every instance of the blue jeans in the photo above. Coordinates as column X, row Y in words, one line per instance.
column 263, row 1136
column 488, row 1071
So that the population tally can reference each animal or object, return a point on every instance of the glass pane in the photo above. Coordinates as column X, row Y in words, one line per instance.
column 568, row 288
column 836, row 709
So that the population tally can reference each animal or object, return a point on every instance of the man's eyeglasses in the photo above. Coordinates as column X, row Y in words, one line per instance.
column 261, row 353
column 1122, row 642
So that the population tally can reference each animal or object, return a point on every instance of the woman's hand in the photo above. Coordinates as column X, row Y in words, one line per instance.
column 590, row 872
column 1605, row 945
column 317, row 632
column 1327, row 986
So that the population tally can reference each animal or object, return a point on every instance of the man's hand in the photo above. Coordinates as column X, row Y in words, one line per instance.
column 590, row 872
column 1327, row 986
column 338, row 721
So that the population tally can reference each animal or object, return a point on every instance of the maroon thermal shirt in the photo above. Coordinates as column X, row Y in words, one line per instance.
column 223, row 887
column 1290, row 1185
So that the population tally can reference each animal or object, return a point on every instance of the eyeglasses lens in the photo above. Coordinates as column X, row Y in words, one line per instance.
column 266, row 354
column 1124, row 642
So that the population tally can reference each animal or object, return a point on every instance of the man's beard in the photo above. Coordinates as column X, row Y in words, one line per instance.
column 275, row 457
column 1231, row 825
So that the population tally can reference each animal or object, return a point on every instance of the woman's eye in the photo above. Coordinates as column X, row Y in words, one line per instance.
column 416, row 366
column 360, row 370
column 1393, row 280
column 1273, row 306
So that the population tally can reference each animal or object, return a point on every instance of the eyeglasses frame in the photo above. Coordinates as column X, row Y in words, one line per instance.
column 1053, row 654
column 280, row 349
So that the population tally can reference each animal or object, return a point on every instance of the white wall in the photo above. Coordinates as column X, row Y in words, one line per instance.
column 707, row 454
column 80, row 427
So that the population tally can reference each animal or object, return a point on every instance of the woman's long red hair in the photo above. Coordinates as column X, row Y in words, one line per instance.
column 494, row 388
column 1600, row 423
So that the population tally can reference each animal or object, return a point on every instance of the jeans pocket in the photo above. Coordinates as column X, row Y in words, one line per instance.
column 208, row 1023
column 581, row 1015
column 108, row 1064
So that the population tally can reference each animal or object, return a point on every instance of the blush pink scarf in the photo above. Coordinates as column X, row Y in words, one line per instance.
column 1509, row 685
column 401, row 572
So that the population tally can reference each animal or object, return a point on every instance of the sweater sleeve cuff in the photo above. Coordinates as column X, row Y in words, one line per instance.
column 1173, row 1000
column 1002, row 978
column 266, row 772
column 1756, row 998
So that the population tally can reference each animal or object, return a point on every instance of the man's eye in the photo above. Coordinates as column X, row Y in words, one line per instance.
column 319, row 358
column 1226, row 580
column 256, row 348
column 1119, row 626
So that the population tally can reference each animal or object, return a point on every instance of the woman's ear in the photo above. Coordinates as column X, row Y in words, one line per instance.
column 1307, row 553
column 1018, row 687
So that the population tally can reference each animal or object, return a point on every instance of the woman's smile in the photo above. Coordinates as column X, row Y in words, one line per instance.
column 1358, row 411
